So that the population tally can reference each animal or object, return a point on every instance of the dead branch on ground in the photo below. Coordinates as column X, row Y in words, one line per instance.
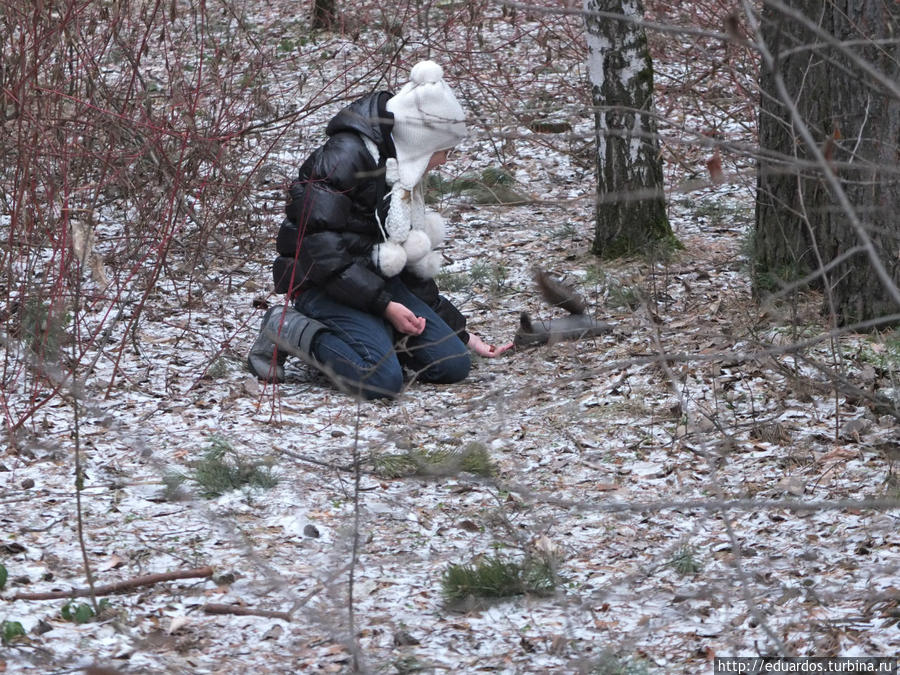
column 119, row 586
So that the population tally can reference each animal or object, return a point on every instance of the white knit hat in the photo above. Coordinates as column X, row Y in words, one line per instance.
column 427, row 119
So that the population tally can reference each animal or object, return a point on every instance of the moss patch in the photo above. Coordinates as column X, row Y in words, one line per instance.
column 474, row 458
column 491, row 186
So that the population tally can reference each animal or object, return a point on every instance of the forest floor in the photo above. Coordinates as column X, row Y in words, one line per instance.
column 692, row 481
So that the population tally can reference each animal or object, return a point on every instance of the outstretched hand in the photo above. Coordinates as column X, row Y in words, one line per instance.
column 404, row 319
column 480, row 347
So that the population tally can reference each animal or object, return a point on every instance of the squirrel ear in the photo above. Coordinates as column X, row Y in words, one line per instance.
column 525, row 322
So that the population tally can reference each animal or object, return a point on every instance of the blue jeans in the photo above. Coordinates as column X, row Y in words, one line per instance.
column 365, row 355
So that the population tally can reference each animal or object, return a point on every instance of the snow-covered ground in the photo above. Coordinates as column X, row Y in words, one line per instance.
column 720, row 501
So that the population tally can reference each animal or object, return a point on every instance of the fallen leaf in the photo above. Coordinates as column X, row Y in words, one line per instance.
column 114, row 562
column 273, row 633
column 176, row 624
column 251, row 386
column 792, row 485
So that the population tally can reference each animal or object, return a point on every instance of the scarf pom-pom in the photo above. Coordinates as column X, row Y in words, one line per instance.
column 427, row 267
column 389, row 257
column 417, row 246
column 434, row 228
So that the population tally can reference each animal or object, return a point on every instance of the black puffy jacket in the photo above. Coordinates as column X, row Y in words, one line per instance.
column 327, row 237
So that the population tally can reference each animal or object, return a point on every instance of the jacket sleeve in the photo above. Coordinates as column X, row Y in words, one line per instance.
column 315, row 206
column 328, row 232
column 329, row 265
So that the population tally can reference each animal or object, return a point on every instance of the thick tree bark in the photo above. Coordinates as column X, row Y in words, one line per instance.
column 631, row 209
column 853, row 114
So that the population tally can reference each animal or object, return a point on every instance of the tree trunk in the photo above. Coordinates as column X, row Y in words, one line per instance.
column 631, row 208
column 323, row 14
column 843, row 83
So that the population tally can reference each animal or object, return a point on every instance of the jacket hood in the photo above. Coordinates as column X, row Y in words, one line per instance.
column 368, row 117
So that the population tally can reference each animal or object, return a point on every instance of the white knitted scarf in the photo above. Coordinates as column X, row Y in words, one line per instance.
column 411, row 232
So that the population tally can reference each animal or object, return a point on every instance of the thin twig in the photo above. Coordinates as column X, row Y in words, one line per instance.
column 351, row 618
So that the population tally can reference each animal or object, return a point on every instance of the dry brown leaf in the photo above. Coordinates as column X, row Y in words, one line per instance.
column 114, row 562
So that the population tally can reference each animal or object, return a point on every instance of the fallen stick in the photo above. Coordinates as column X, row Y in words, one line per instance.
column 212, row 608
column 120, row 586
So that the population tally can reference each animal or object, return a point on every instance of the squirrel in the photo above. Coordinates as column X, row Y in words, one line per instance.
column 576, row 326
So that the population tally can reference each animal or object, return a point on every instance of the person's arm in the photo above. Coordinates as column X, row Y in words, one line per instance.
column 427, row 290
column 404, row 319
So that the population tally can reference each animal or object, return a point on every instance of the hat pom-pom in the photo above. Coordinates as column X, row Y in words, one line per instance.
column 389, row 257
column 434, row 228
column 426, row 72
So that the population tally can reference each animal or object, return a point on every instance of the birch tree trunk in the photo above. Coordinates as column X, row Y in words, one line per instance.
column 631, row 208
column 828, row 190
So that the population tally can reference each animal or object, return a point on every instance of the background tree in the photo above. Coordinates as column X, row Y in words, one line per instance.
column 631, row 208
column 323, row 14
column 829, row 129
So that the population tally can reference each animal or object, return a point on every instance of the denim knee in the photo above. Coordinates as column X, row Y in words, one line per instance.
column 448, row 370
column 355, row 375
column 384, row 382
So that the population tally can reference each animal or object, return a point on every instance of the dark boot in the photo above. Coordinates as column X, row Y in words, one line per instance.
column 266, row 361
